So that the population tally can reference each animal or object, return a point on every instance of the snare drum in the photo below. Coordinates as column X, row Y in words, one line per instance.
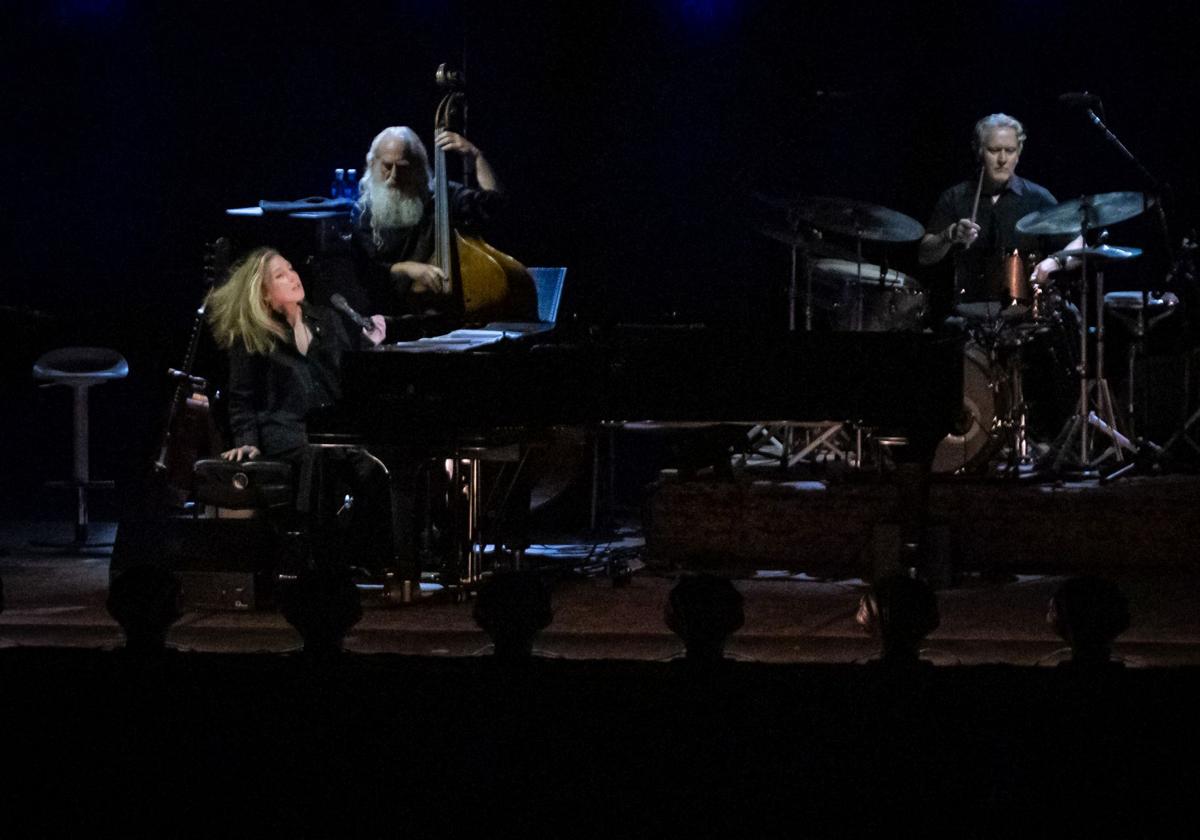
column 891, row 301
column 1013, row 294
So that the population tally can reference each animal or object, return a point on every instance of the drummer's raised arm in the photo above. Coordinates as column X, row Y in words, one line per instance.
column 934, row 246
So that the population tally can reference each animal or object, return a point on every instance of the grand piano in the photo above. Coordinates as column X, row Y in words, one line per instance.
column 475, row 385
column 463, row 394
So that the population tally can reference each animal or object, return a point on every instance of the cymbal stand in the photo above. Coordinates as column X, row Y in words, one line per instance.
column 856, row 320
column 1020, row 462
column 794, row 222
column 1147, row 453
column 1184, row 432
column 1184, row 275
column 1094, row 410
column 1140, row 326
column 763, row 438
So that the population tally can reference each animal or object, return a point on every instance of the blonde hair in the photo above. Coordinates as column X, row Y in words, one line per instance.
column 238, row 310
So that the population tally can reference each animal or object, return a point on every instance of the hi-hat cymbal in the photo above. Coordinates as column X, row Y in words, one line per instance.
column 1067, row 219
column 1102, row 252
column 851, row 218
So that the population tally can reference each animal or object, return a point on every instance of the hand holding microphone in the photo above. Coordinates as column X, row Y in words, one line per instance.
column 373, row 328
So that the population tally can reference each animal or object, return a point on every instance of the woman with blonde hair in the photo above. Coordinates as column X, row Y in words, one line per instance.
column 284, row 362
column 284, row 354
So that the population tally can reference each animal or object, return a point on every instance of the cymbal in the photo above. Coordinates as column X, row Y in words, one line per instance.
column 851, row 218
column 1067, row 218
column 802, row 239
column 806, row 240
column 1102, row 252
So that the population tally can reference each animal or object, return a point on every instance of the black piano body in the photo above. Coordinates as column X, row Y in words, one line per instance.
column 907, row 384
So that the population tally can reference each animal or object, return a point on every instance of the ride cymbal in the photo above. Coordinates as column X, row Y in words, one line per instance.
column 1068, row 218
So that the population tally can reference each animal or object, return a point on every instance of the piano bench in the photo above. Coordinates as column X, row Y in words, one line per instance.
column 244, row 485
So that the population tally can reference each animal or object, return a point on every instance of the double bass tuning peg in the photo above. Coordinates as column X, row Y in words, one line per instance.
column 448, row 79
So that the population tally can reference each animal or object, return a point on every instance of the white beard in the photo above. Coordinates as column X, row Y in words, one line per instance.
column 391, row 208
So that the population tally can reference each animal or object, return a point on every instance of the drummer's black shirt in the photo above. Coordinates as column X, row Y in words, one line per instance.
column 976, row 269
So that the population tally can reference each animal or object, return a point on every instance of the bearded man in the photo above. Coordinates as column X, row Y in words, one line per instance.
column 394, row 219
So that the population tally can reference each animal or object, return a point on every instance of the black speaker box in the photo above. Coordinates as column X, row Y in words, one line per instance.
column 223, row 564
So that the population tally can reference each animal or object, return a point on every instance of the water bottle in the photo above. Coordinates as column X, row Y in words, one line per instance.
column 338, row 188
column 351, row 184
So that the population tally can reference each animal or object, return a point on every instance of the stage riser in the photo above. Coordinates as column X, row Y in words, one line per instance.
column 223, row 564
column 852, row 530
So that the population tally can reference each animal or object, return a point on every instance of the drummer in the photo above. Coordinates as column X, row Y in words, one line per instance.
column 976, row 219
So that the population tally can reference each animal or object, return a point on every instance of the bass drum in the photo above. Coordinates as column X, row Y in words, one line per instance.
column 985, row 401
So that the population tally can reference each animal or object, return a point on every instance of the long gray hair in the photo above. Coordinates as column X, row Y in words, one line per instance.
column 411, row 142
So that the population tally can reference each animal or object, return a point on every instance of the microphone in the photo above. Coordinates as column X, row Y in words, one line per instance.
column 339, row 303
column 1079, row 100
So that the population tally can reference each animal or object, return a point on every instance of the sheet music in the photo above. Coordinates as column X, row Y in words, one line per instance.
column 452, row 342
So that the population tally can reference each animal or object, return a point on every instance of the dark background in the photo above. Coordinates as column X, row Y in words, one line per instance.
column 631, row 135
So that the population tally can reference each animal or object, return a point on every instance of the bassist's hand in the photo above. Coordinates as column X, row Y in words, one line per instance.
column 452, row 141
column 424, row 277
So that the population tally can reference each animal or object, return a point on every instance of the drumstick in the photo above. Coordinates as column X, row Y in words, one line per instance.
column 975, row 206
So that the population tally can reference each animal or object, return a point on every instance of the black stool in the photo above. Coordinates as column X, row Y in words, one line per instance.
column 80, row 368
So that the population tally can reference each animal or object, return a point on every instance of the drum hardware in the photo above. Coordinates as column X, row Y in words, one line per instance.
column 1001, row 430
column 798, row 239
column 880, row 299
column 1095, row 410
column 1140, row 311
column 808, row 219
column 842, row 216
column 1184, row 432
column 792, row 443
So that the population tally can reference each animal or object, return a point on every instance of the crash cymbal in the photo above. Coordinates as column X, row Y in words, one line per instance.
column 850, row 218
column 1102, row 252
column 1067, row 219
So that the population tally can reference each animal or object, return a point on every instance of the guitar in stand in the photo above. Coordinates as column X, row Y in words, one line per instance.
column 190, row 432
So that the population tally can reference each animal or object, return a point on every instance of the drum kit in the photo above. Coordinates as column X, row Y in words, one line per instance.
column 1047, row 330
column 852, row 294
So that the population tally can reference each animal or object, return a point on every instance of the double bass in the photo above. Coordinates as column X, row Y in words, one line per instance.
column 486, row 284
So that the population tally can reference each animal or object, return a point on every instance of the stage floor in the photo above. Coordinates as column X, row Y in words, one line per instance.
column 58, row 600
